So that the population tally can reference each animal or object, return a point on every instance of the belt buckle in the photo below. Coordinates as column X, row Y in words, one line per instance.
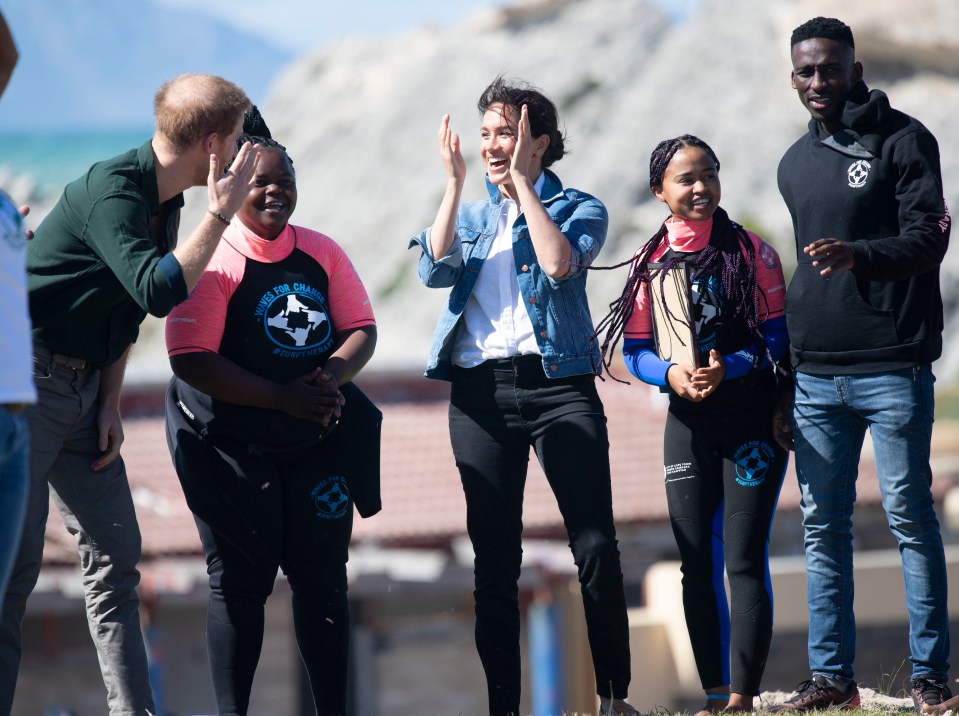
column 70, row 362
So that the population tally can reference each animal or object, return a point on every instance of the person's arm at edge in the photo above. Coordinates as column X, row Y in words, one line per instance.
column 8, row 54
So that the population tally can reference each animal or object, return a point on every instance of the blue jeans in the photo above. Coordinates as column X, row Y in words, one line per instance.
column 830, row 418
column 14, row 447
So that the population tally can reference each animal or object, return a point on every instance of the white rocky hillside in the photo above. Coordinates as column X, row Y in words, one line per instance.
column 360, row 120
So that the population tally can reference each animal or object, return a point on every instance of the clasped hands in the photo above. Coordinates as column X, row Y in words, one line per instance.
column 697, row 384
column 314, row 396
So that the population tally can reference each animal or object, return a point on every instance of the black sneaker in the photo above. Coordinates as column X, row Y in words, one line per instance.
column 929, row 694
column 820, row 693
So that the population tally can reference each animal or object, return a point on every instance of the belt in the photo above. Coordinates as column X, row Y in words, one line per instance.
column 527, row 360
column 15, row 408
column 528, row 364
column 68, row 361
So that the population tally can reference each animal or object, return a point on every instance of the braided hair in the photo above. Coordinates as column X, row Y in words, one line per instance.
column 255, row 131
column 729, row 253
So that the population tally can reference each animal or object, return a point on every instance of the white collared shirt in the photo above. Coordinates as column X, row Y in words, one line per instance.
column 495, row 323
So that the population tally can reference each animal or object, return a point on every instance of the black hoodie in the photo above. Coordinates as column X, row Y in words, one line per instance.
column 876, row 184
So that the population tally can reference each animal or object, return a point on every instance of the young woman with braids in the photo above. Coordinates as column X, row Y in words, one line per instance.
column 514, row 339
column 723, row 469
column 263, row 353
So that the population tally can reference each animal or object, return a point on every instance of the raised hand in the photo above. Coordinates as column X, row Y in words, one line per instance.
column 450, row 152
column 521, row 163
column 227, row 190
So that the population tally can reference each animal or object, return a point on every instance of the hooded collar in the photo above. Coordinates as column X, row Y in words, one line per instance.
column 867, row 120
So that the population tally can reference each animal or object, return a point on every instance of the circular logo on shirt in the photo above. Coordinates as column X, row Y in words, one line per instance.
column 857, row 173
column 752, row 463
column 331, row 497
column 767, row 255
column 296, row 319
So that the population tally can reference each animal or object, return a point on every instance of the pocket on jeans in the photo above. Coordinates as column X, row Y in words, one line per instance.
column 925, row 380
column 42, row 367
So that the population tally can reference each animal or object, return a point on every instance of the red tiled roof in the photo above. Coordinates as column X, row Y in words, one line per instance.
column 422, row 499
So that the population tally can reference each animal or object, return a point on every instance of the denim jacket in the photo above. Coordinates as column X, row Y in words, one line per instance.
column 557, row 307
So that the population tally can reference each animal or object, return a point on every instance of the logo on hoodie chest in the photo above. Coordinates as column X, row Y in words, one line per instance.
column 858, row 173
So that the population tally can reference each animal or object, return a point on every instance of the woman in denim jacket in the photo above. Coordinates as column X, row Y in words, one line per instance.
column 514, row 339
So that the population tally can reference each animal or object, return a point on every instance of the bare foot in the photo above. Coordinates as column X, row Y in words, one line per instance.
column 738, row 704
column 716, row 701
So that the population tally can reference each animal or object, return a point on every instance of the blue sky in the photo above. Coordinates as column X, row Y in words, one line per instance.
column 302, row 24
column 94, row 66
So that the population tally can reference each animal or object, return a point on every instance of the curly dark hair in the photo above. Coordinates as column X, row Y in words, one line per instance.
column 828, row 28
column 543, row 118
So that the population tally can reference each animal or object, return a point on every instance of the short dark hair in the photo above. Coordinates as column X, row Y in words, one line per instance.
column 543, row 118
column 827, row 28
column 663, row 153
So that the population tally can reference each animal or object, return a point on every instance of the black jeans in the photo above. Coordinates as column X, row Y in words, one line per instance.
column 497, row 411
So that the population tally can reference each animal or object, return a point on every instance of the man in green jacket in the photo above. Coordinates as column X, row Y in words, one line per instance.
column 105, row 256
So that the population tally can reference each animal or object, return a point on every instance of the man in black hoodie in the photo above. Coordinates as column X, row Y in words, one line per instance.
column 864, row 314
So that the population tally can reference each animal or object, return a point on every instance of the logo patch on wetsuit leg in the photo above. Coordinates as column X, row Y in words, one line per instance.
column 331, row 497
column 752, row 463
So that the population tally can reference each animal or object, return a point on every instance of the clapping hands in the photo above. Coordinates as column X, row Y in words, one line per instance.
column 450, row 152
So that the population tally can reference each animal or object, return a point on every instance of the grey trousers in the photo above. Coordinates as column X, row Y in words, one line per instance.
column 97, row 508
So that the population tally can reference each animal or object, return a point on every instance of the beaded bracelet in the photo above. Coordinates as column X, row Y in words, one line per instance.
column 219, row 216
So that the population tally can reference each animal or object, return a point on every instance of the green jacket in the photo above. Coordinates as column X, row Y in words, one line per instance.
column 100, row 260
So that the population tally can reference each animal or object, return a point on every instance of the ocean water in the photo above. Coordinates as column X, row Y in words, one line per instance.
column 46, row 162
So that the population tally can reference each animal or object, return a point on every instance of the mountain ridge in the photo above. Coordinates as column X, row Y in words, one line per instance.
column 65, row 58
